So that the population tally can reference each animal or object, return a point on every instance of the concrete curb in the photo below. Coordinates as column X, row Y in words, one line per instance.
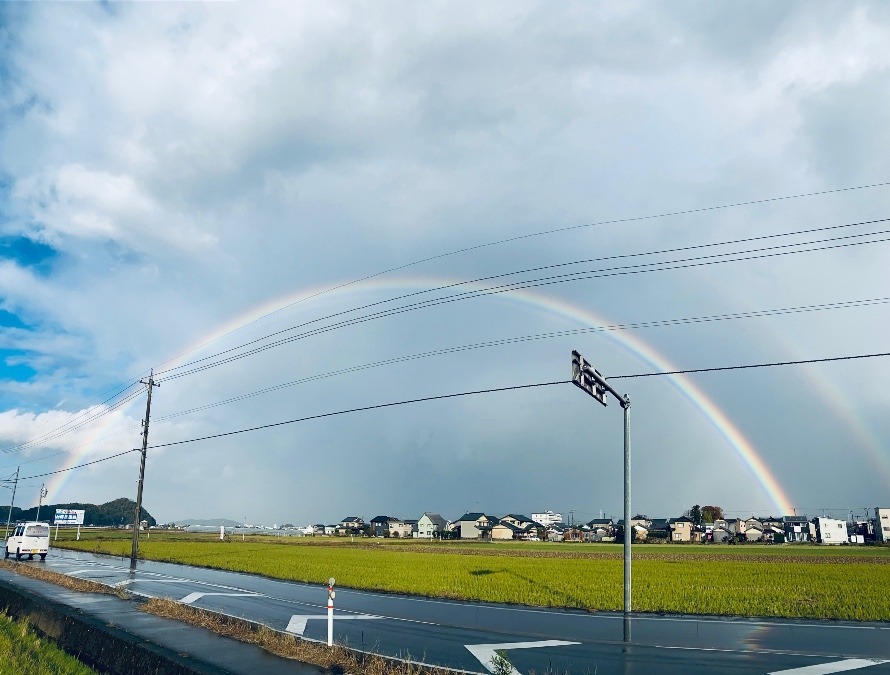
column 99, row 641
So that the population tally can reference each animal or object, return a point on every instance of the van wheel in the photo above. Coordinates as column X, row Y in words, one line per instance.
column 5, row 552
column 18, row 554
column 43, row 556
column 30, row 556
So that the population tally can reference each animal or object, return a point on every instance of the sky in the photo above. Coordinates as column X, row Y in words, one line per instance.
column 268, row 205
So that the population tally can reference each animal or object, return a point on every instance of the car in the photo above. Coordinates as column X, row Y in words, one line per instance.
column 28, row 539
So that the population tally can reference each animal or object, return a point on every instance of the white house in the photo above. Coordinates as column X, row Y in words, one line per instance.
column 547, row 518
column 428, row 524
column 831, row 531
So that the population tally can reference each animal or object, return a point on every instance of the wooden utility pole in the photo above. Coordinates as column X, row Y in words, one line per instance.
column 12, row 503
column 150, row 384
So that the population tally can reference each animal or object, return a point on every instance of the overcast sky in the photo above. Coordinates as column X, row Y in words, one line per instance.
column 182, row 179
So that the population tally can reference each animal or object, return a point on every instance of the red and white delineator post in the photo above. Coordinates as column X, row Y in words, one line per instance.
column 331, row 596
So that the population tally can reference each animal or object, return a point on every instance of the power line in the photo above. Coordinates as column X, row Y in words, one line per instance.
column 752, row 365
column 362, row 409
column 439, row 398
column 698, row 261
column 494, row 390
column 529, row 270
column 615, row 221
column 80, row 466
column 529, row 338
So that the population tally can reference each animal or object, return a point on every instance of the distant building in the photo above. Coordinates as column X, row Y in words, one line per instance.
column 796, row 528
column 474, row 526
column 429, row 523
column 830, row 531
column 882, row 524
column 547, row 518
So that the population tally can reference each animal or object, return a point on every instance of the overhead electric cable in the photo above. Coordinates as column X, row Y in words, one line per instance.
column 536, row 269
column 490, row 391
column 80, row 466
column 698, row 261
column 752, row 365
column 540, row 336
column 614, row 221
column 361, row 409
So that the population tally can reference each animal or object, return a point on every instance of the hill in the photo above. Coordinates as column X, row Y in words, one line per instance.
column 208, row 522
column 111, row 514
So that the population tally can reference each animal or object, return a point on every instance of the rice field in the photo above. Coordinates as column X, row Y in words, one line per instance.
column 779, row 581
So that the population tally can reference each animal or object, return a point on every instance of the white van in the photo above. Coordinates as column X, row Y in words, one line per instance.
column 28, row 539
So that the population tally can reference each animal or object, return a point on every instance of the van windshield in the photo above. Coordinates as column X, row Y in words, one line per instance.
column 37, row 531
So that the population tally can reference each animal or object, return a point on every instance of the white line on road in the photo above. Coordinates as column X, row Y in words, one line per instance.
column 191, row 597
column 485, row 653
column 297, row 623
column 834, row 667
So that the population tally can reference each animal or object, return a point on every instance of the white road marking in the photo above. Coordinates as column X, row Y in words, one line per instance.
column 834, row 667
column 485, row 653
column 297, row 623
column 191, row 597
column 72, row 573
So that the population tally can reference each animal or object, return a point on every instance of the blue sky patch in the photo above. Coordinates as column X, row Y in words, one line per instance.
column 27, row 252
column 10, row 320
column 11, row 369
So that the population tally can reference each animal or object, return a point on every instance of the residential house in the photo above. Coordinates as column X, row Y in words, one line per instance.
column 658, row 528
column 602, row 529
column 573, row 534
column 380, row 525
column 429, row 523
column 796, row 529
column 681, row 529
column 400, row 529
column 830, row 530
column 474, row 525
column 330, row 530
column 753, row 530
column 351, row 525
column 722, row 534
column 505, row 530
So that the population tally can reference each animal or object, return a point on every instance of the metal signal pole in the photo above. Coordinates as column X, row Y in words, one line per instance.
column 136, row 518
column 592, row 381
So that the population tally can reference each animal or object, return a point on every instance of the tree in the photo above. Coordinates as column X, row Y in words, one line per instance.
column 711, row 513
column 695, row 515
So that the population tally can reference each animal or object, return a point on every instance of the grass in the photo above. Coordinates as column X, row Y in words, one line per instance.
column 25, row 653
column 336, row 658
column 747, row 580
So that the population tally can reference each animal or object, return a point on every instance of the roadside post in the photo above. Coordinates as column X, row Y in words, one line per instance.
column 331, row 595
column 593, row 382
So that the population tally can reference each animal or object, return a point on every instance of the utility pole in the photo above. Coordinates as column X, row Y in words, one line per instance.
column 586, row 377
column 150, row 384
column 43, row 494
column 15, row 484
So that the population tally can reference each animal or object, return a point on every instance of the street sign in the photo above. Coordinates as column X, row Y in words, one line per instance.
column 68, row 517
column 588, row 378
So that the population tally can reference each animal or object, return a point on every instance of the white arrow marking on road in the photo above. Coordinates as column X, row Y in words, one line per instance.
column 485, row 653
column 835, row 667
column 297, row 623
column 191, row 597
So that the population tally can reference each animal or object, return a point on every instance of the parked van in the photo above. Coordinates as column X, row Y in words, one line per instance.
column 28, row 539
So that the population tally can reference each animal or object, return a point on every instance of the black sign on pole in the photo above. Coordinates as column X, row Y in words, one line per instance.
column 588, row 378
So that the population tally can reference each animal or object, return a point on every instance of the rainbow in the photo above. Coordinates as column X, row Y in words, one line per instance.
column 734, row 438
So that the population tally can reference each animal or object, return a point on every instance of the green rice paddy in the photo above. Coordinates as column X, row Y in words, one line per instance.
column 844, row 582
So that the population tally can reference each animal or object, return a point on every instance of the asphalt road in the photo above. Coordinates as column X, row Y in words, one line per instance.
column 464, row 635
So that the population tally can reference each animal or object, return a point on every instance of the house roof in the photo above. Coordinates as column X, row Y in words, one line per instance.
column 472, row 517
column 385, row 519
column 435, row 518
column 352, row 519
column 681, row 519
column 600, row 521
